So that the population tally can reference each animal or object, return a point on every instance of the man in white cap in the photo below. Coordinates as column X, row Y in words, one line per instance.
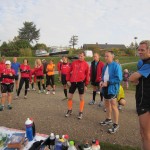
column 7, row 85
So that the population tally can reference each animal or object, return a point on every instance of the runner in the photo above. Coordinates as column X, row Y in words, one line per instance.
column 96, row 77
column 2, row 67
column 32, row 79
column 58, row 68
column 7, row 85
column 15, row 65
column 121, row 98
column 112, row 76
column 142, row 80
column 39, row 74
column 44, row 62
column 25, row 76
column 64, row 71
column 78, row 78
column 126, row 78
column 50, row 77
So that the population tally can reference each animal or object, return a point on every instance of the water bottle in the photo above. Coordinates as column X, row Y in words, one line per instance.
column 65, row 143
column 58, row 145
column 29, row 132
column 71, row 146
column 56, row 139
column 95, row 145
column 33, row 127
column 52, row 141
column 87, row 146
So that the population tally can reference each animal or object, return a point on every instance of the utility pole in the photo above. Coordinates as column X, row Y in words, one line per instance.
column 135, row 38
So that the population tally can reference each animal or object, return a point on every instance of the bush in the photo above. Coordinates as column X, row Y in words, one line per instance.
column 10, row 53
column 130, row 52
column 26, row 52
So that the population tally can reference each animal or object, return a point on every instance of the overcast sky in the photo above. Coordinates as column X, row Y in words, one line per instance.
column 102, row 21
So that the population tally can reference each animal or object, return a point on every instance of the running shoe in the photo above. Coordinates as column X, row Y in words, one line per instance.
column 106, row 122
column 53, row 92
column 92, row 102
column 44, row 91
column 105, row 110
column 33, row 89
column 114, row 128
column 100, row 104
column 1, row 107
column 48, row 92
column 16, row 98
column 69, row 112
column 28, row 89
column 9, row 107
column 25, row 97
column 80, row 116
column 119, row 107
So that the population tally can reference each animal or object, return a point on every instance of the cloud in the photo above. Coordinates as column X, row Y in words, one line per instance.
column 92, row 20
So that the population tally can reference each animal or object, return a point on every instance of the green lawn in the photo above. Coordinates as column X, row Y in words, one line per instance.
column 108, row 146
column 31, row 60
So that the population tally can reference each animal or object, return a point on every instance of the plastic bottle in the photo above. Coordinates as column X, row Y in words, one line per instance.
column 33, row 127
column 52, row 141
column 56, row 139
column 65, row 143
column 58, row 145
column 95, row 145
column 87, row 146
column 71, row 146
column 29, row 132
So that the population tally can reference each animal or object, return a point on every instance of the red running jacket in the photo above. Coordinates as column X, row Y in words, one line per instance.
column 65, row 68
column 2, row 67
column 96, row 73
column 8, row 76
column 79, row 72
column 25, row 71
column 39, row 71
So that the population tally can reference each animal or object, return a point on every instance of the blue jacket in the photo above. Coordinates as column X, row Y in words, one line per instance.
column 16, row 67
column 115, row 77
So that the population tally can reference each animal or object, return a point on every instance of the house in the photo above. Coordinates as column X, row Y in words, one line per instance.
column 104, row 46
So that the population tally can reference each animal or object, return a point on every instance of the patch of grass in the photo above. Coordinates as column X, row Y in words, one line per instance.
column 127, row 59
column 108, row 146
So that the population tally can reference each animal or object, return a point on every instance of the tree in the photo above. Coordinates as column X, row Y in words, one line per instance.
column 73, row 41
column 40, row 46
column 29, row 32
column 132, row 46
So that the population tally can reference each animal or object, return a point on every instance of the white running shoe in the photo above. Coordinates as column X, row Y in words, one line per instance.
column 114, row 129
column 33, row 89
column 53, row 92
column 92, row 102
column 25, row 97
column 119, row 107
column 48, row 92
column 100, row 104
column 16, row 98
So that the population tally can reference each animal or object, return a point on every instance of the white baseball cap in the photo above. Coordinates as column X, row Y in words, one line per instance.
column 8, row 62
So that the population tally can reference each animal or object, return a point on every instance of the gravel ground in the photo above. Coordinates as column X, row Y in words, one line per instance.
column 48, row 113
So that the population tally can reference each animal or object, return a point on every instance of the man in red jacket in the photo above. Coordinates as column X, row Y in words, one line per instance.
column 96, row 77
column 78, row 78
